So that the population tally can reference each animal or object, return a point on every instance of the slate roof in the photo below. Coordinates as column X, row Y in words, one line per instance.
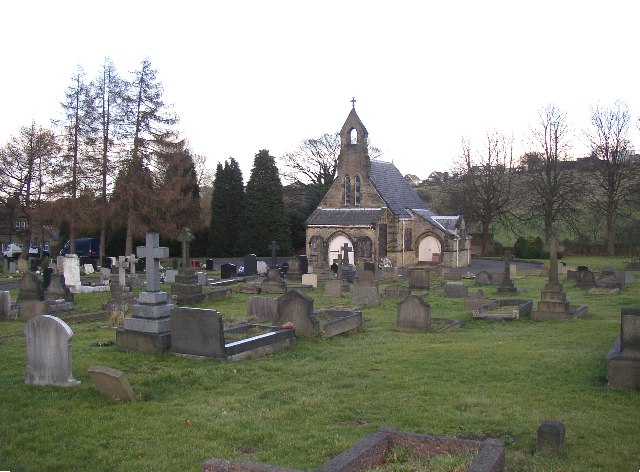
column 345, row 216
column 394, row 189
column 446, row 223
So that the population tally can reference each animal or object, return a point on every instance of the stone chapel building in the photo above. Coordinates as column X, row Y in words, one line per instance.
column 373, row 209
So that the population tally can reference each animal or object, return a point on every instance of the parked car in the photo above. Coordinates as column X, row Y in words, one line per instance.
column 85, row 247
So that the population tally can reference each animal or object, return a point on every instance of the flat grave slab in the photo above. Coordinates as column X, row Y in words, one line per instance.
column 503, row 310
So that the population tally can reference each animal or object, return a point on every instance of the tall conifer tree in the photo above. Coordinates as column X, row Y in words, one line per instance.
column 226, row 206
column 264, row 218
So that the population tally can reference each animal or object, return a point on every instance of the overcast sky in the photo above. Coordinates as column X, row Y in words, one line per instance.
column 250, row 75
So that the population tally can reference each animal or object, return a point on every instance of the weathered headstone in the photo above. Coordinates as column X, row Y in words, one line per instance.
column 250, row 264
column 399, row 291
column 419, row 279
column 413, row 313
column 623, row 359
column 297, row 308
column 5, row 305
column 310, row 279
column 262, row 267
column 111, row 383
column 585, row 279
column 170, row 276
column 274, row 248
column 58, row 289
column 105, row 276
column 366, row 279
column 482, row 278
column 506, row 285
column 333, row 288
column 550, row 437
column 364, row 295
column 263, row 309
column 273, row 283
column 29, row 309
column 30, row 288
column 455, row 290
column 48, row 352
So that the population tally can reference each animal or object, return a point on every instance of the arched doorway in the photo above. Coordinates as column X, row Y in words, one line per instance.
column 430, row 250
column 335, row 248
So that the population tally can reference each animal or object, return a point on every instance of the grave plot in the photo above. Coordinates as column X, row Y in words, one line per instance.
column 414, row 314
column 503, row 310
column 334, row 321
column 374, row 449
column 200, row 332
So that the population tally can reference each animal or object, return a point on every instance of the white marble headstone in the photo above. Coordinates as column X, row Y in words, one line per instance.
column 262, row 267
column 71, row 271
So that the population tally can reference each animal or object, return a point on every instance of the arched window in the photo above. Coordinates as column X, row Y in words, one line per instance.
column 356, row 193
column 347, row 190
column 354, row 136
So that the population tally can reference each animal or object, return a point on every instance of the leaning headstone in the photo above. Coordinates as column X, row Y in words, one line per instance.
column 48, row 352
column 5, row 305
column 413, row 313
column 550, row 437
column 482, row 278
column 111, row 383
column 30, row 288
column 296, row 308
column 88, row 269
column 455, row 290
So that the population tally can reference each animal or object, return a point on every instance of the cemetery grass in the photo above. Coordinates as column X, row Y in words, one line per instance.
column 305, row 405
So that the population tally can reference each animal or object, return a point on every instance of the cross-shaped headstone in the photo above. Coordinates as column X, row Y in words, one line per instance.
column 185, row 238
column 345, row 254
column 507, row 266
column 553, row 261
column 132, row 259
column 122, row 275
column 274, row 247
column 153, row 253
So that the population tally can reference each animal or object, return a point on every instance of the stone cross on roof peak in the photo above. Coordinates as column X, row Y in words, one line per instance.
column 353, row 103
column 153, row 253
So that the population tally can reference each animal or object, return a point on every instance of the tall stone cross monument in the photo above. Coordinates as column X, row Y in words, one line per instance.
column 274, row 247
column 153, row 253
column 185, row 238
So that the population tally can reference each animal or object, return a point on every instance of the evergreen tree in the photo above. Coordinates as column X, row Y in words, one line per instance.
column 264, row 218
column 226, row 207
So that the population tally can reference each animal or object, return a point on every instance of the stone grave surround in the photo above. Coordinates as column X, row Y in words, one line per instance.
column 48, row 352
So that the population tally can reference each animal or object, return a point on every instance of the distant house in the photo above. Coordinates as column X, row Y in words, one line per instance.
column 374, row 210
column 413, row 179
column 438, row 176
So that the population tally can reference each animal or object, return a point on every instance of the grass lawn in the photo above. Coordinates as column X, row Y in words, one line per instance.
column 303, row 406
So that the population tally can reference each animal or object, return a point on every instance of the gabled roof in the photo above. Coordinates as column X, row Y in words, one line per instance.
column 345, row 216
column 394, row 189
column 447, row 223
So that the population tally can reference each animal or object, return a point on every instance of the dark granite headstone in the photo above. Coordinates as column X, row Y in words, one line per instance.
column 227, row 270
column 419, row 279
column 482, row 278
column 585, row 279
column 197, row 332
column 550, row 437
column 209, row 264
column 46, row 277
column 250, row 264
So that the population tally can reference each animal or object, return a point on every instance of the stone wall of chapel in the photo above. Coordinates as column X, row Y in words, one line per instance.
column 369, row 196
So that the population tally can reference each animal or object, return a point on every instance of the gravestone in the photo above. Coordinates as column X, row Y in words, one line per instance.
column 209, row 264
column 482, row 278
column 608, row 280
column 623, row 359
column 506, row 286
column 399, row 291
column 419, row 279
column 58, row 290
column 250, row 265
column 273, row 283
column 29, row 309
column 310, row 279
column 170, row 276
column 553, row 304
column 111, row 383
column 227, row 270
column 88, row 269
column 105, row 276
column 46, row 277
column 187, row 288
column 5, row 305
column 455, row 290
column 71, row 271
column 263, row 309
column 12, row 267
column 585, row 279
column 149, row 329
column 48, row 352
column 261, row 267
column 366, row 279
column 413, row 313
column 297, row 308
column 30, row 288
column 364, row 295
column 333, row 288
column 274, row 248
column 197, row 332
column 122, row 266
column 550, row 437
